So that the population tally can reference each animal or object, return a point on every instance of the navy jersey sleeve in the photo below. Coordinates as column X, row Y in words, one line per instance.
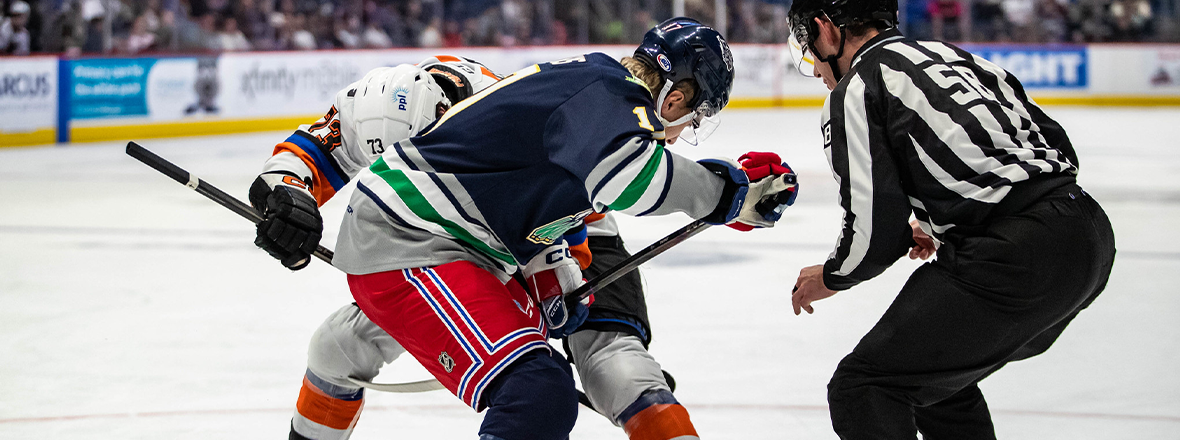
column 607, row 135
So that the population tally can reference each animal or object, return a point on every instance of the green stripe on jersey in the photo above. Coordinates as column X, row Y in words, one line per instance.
column 422, row 208
column 637, row 187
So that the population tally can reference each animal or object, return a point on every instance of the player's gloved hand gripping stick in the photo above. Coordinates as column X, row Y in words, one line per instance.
column 549, row 278
column 204, row 188
column 775, row 188
column 291, row 227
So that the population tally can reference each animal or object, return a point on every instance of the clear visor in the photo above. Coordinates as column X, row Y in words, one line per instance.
column 801, row 57
column 705, row 120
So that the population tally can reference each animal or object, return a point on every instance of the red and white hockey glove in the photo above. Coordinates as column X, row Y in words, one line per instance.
column 778, row 184
column 548, row 277
column 752, row 199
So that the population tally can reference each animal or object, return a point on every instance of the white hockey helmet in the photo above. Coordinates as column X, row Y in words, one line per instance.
column 401, row 100
column 459, row 77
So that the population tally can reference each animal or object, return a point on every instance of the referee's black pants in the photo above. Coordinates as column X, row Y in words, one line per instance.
column 1000, row 293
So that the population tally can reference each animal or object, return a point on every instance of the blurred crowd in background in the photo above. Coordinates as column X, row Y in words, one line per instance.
column 125, row 27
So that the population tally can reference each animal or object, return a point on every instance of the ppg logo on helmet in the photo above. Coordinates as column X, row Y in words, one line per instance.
column 664, row 63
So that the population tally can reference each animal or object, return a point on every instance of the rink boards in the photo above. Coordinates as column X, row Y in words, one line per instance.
column 46, row 100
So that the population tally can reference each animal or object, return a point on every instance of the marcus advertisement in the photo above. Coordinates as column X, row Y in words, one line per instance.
column 28, row 100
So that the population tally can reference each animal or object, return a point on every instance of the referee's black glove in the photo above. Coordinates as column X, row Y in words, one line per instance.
column 291, row 227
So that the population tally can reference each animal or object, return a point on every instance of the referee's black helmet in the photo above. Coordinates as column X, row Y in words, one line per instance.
column 841, row 13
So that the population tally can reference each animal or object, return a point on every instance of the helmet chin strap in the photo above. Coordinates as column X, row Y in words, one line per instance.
column 660, row 106
column 832, row 59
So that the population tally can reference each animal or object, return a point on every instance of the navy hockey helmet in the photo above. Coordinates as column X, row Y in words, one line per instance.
column 842, row 13
column 682, row 48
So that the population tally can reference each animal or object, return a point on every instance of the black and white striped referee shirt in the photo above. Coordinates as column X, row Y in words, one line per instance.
column 927, row 128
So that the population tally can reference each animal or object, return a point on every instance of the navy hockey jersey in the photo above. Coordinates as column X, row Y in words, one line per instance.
column 503, row 174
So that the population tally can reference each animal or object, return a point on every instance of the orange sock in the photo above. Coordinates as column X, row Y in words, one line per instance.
column 659, row 417
column 326, row 411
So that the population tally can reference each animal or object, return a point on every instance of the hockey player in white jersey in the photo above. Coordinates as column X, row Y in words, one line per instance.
column 388, row 105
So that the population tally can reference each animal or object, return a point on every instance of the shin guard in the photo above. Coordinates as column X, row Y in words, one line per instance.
column 326, row 411
column 657, row 415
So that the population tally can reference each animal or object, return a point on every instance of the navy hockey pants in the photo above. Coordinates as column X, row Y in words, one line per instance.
column 1000, row 293
column 534, row 399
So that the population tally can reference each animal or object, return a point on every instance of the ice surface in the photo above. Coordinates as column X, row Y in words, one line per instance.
column 133, row 308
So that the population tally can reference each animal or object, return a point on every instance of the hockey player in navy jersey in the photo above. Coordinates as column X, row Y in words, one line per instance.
column 620, row 377
column 442, row 226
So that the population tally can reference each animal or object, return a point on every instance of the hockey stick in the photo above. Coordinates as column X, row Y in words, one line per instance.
column 421, row 386
column 633, row 262
column 204, row 188
column 233, row 204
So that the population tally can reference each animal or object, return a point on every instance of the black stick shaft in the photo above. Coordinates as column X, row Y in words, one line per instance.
column 638, row 258
column 204, row 188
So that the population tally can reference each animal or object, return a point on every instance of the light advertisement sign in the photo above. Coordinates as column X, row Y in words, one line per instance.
column 28, row 94
column 283, row 83
column 138, row 89
column 101, row 88
column 1036, row 67
column 1164, row 70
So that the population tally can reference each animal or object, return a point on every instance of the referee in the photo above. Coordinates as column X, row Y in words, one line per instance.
column 925, row 129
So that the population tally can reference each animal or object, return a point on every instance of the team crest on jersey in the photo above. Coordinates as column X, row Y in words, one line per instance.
column 401, row 97
column 448, row 363
column 552, row 231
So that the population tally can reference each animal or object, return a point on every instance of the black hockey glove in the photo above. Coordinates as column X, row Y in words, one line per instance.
column 292, row 226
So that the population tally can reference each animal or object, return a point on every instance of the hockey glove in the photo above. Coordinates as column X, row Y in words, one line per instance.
column 746, row 205
column 758, row 167
column 548, row 277
column 291, row 227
